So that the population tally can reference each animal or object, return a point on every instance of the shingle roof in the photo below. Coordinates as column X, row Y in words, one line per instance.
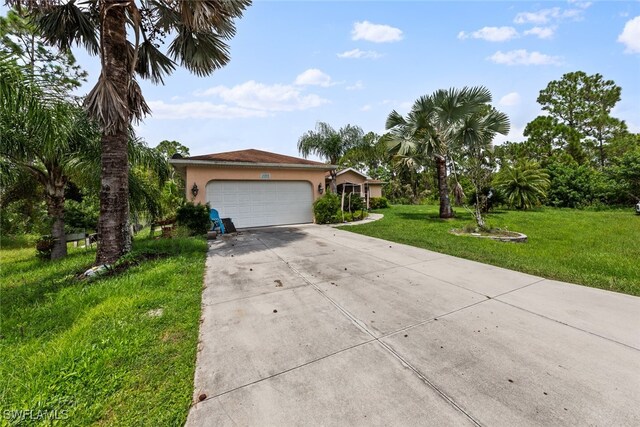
column 254, row 156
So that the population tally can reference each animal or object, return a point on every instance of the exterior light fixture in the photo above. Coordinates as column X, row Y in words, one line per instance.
column 320, row 189
column 194, row 189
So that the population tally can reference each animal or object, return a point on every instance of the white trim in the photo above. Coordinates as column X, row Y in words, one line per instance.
column 217, row 163
column 353, row 170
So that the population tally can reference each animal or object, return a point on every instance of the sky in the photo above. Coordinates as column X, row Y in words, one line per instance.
column 294, row 63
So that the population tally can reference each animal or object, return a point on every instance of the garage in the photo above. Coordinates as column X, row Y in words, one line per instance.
column 254, row 188
column 262, row 203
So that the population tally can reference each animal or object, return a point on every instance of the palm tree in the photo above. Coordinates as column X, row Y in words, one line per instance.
column 330, row 144
column 199, row 30
column 432, row 127
column 53, row 141
column 524, row 185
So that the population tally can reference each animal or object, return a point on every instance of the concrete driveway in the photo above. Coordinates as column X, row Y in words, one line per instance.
column 311, row 325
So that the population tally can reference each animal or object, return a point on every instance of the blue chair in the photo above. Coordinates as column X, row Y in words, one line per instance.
column 216, row 221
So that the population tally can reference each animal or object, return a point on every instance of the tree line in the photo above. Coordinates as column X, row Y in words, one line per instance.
column 575, row 155
column 132, row 40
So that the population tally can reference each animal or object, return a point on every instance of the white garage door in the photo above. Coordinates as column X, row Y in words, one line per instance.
column 260, row 203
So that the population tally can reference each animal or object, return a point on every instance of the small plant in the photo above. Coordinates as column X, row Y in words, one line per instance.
column 194, row 217
column 378, row 203
column 325, row 208
column 44, row 246
column 354, row 204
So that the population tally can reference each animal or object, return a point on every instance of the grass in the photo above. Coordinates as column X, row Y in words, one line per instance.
column 89, row 352
column 597, row 249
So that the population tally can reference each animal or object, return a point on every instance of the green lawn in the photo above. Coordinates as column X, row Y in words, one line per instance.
column 90, row 350
column 598, row 249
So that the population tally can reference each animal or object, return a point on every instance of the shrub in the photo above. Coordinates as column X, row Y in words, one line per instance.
column 348, row 217
column 524, row 185
column 495, row 197
column 44, row 246
column 325, row 208
column 353, row 203
column 81, row 215
column 378, row 203
column 194, row 217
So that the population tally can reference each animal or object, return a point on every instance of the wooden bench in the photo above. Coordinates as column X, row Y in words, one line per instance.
column 82, row 236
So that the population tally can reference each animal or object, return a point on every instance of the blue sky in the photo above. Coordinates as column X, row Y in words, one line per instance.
column 298, row 62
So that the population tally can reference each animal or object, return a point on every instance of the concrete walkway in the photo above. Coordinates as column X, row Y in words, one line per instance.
column 312, row 325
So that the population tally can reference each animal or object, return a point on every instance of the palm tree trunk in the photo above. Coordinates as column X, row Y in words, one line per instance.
column 334, row 186
column 55, row 210
column 114, row 238
column 443, row 188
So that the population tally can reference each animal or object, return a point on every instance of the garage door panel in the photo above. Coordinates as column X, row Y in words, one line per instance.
column 262, row 203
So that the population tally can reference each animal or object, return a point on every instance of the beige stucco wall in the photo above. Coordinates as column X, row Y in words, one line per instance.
column 349, row 176
column 201, row 175
column 375, row 190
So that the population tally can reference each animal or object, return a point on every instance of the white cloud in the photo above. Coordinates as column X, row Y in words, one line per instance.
column 544, row 16
column 510, row 99
column 492, row 34
column 356, row 86
column 314, row 77
column 360, row 54
column 540, row 32
column 200, row 110
column 523, row 57
column 581, row 4
column 366, row 107
column 377, row 33
column 630, row 35
column 259, row 96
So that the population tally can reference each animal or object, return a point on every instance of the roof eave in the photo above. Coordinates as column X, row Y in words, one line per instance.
column 187, row 162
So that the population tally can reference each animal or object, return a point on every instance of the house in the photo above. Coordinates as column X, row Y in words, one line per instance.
column 351, row 181
column 254, row 188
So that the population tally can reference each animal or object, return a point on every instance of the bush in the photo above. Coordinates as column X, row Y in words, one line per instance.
column 354, row 203
column 194, row 217
column 44, row 246
column 378, row 203
column 325, row 208
column 349, row 217
column 497, row 198
column 81, row 215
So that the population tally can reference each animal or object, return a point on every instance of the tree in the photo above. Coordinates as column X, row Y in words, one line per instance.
column 327, row 143
column 524, row 185
column 432, row 128
column 19, row 38
column 476, row 139
column 170, row 148
column 199, row 30
column 584, row 103
column 42, row 136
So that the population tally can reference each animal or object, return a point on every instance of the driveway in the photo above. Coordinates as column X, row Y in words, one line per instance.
column 310, row 325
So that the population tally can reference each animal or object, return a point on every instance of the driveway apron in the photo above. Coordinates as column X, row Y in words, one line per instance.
column 311, row 325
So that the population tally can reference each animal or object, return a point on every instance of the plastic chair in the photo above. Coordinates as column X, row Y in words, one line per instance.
column 216, row 221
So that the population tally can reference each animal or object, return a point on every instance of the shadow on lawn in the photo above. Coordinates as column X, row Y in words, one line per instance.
column 433, row 216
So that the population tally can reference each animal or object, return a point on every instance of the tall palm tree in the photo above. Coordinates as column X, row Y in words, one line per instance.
column 53, row 141
column 330, row 144
column 127, row 36
column 432, row 127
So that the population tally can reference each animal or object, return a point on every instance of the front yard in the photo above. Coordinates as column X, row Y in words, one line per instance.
column 598, row 249
column 117, row 350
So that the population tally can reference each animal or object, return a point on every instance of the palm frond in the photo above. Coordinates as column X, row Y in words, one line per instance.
column 66, row 24
column 137, row 105
column 152, row 64
column 108, row 106
column 199, row 52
